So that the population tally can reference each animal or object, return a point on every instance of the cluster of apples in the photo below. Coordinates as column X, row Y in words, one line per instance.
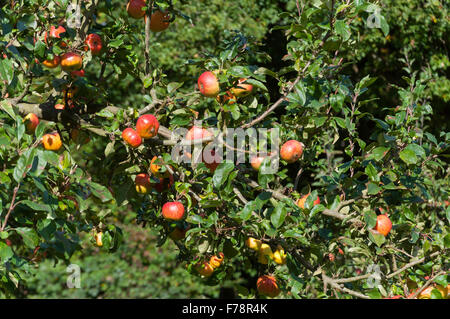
column 209, row 86
column 70, row 61
column 266, row 284
column 206, row 268
column 159, row 20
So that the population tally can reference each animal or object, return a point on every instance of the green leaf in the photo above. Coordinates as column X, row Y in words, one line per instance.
column 373, row 189
column 6, row 70
column 37, row 206
column 378, row 153
column 408, row 156
column 376, row 238
column 5, row 252
column 297, row 235
column 173, row 86
column 278, row 215
column 370, row 217
column 343, row 29
column 100, row 192
column 7, row 107
column 29, row 235
column 221, row 173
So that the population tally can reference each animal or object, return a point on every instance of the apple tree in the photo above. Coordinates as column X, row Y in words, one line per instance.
column 356, row 207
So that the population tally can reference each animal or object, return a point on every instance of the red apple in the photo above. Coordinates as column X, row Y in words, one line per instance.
column 134, row 8
column 173, row 211
column 31, row 122
column 131, row 137
column 164, row 183
column 256, row 162
column 383, row 225
column 267, row 285
column 76, row 74
column 147, row 126
column 159, row 21
column 143, row 185
column 51, row 64
column 208, row 84
column 301, row 201
column 196, row 133
column 94, row 42
column 291, row 151
column 71, row 61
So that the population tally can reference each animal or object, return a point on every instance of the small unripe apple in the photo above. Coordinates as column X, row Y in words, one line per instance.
column 205, row 269
column 216, row 261
column 253, row 243
column 279, row 256
column 147, row 126
column 208, row 84
column 173, row 211
column 267, row 285
column 302, row 200
column 131, row 137
column 383, row 225
column 264, row 253
column 31, row 122
column 134, row 8
column 242, row 89
column 71, row 61
column 94, row 43
column 142, row 182
column 159, row 21
column 291, row 151
column 52, row 141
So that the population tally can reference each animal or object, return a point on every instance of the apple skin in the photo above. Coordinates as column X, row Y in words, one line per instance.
column 159, row 21
column 196, row 133
column 242, row 89
column 205, row 269
column 55, row 33
column 131, row 137
column 383, row 225
column 71, row 61
column 94, row 43
column 76, row 74
column 291, row 151
column 208, row 84
column 267, row 285
column 31, row 122
column 279, row 256
column 98, row 239
column 216, row 261
column 147, row 126
column 142, row 182
column 256, row 162
column 156, row 168
column 51, row 64
column 212, row 166
column 164, row 183
column 173, row 211
column 134, row 8
column 253, row 243
column 178, row 233
column 301, row 201
column 52, row 141
column 264, row 253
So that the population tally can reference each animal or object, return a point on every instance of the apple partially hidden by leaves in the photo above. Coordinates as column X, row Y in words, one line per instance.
column 31, row 122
